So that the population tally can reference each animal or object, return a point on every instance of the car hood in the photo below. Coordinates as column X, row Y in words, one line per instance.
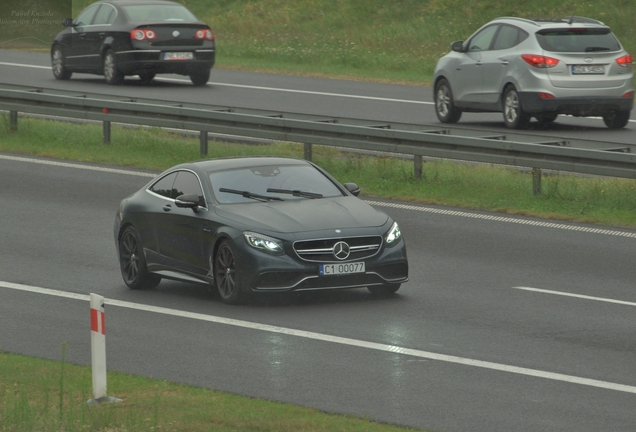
column 304, row 215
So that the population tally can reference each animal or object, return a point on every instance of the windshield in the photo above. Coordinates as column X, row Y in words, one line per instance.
column 578, row 40
column 258, row 179
column 154, row 13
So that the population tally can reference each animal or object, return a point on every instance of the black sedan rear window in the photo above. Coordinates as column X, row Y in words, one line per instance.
column 153, row 13
column 258, row 179
column 578, row 40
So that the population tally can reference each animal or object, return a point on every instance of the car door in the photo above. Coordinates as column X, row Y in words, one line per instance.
column 180, row 230
column 468, row 82
column 496, row 63
column 95, row 35
column 79, row 49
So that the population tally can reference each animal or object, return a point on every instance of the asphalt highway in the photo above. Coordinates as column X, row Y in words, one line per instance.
column 507, row 324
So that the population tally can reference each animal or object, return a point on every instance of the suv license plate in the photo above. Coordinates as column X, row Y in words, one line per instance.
column 177, row 56
column 588, row 70
column 340, row 269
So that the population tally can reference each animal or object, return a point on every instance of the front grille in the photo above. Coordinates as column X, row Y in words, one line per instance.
column 323, row 250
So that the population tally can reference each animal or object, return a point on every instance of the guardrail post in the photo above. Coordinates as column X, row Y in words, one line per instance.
column 106, row 132
column 536, row 181
column 13, row 116
column 308, row 151
column 203, row 142
column 418, row 165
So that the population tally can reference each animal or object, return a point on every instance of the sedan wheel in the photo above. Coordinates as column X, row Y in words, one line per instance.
column 445, row 107
column 57, row 64
column 384, row 289
column 514, row 115
column 200, row 78
column 133, row 263
column 146, row 77
column 112, row 74
column 226, row 275
column 616, row 119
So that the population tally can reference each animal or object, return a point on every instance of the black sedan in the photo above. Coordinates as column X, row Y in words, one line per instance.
column 257, row 224
column 148, row 37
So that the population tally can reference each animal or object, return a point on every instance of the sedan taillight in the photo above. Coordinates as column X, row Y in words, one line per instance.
column 140, row 35
column 539, row 61
column 204, row 34
column 624, row 61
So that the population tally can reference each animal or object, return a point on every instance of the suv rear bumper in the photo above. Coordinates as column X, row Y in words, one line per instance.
column 576, row 106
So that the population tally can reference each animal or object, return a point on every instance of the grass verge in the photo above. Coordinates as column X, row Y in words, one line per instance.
column 596, row 200
column 43, row 395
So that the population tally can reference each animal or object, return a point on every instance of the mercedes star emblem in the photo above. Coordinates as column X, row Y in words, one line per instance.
column 341, row 250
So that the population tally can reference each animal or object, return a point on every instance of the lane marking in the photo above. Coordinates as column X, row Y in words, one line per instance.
column 251, row 87
column 505, row 219
column 335, row 339
column 581, row 296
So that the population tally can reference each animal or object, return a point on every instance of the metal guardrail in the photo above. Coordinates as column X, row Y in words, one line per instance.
column 515, row 149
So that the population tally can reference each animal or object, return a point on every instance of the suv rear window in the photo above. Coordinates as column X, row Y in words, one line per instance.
column 578, row 40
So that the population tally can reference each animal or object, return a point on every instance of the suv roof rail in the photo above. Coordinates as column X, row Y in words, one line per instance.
column 570, row 20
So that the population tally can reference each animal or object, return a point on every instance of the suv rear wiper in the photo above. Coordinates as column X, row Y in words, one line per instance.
column 593, row 49
column 296, row 192
column 248, row 194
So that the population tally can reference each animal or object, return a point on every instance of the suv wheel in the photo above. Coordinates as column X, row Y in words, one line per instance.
column 514, row 115
column 445, row 107
column 616, row 119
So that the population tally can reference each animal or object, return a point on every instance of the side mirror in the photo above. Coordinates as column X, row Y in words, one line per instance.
column 458, row 46
column 353, row 188
column 188, row 201
column 67, row 22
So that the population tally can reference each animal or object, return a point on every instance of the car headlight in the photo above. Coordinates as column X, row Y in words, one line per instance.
column 393, row 235
column 263, row 242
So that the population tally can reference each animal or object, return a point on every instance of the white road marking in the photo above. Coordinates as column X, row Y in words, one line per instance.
column 373, row 203
column 262, row 88
column 334, row 339
column 581, row 296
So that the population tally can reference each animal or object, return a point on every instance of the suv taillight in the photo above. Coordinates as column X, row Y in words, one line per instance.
column 142, row 34
column 624, row 61
column 539, row 61
column 204, row 34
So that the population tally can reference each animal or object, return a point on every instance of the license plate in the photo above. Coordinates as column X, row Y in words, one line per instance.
column 588, row 70
column 340, row 269
column 178, row 56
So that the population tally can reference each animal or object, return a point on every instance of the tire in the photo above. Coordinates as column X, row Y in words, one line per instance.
column 133, row 263
column 545, row 119
column 200, row 78
column 385, row 289
column 616, row 119
column 514, row 115
column 112, row 74
column 57, row 64
column 227, row 275
column 445, row 107
column 147, row 77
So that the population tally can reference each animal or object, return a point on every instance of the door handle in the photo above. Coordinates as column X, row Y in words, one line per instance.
column 167, row 208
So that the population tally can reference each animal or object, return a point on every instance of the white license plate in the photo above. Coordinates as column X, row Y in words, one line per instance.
column 178, row 56
column 588, row 70
column 340, row 269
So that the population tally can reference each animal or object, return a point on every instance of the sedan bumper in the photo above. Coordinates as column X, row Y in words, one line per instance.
column 134, row 62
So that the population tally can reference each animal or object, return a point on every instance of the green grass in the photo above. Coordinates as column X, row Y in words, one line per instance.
column 597, row 200
column 44, row 395
column 396, row 41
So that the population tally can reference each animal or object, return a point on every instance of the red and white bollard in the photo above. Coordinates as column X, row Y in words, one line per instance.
column 98, row 350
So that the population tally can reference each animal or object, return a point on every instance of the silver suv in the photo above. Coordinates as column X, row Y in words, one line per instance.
column 538, row 68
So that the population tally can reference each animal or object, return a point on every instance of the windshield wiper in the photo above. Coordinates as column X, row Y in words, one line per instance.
column 297, row 193
column 593, row 49
column 248, row 194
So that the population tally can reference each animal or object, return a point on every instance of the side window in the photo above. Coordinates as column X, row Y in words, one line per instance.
column 509, row 37
column 86, row 16
column 188, row 183
column 482, row 40
column 164, row 186
column 105, row 15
